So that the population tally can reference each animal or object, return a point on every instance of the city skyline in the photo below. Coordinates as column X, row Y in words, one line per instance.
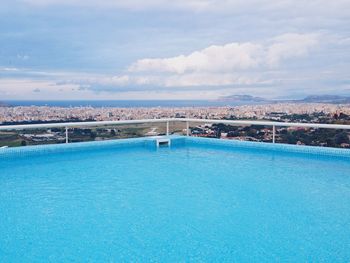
column 69, row 50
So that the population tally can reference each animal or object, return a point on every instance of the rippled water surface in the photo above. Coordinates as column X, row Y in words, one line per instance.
column 186, row 203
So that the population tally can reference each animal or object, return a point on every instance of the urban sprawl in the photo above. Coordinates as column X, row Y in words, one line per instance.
column 286, row 112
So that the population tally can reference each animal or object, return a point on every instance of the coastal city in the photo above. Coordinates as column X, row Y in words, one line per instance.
column 174, row 131
column 283, row 112
column 278, row 112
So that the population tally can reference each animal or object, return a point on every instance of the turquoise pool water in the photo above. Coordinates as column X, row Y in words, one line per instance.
column 199, row 200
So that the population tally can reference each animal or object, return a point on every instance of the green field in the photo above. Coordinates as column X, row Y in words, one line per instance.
column 32, row 137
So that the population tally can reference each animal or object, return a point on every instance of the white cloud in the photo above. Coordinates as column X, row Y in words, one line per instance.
column 203, row 79
column 233, row 64
column 8, row 69
column 230, row 58
column 103, row 80
column 11, row 88
column 212, row 59
column 22, row 57
column 290, row 46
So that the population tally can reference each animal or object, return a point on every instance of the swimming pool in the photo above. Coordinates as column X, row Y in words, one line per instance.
column 198, row 200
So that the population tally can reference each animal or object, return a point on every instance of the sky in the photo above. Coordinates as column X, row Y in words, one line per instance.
column 185, row 49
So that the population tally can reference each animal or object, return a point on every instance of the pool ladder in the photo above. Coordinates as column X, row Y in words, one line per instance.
column 163, row 142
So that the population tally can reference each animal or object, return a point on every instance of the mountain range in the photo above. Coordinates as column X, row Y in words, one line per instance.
column 334, row 99
column 327, row 99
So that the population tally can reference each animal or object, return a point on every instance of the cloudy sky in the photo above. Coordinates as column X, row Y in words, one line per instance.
column 162, row 49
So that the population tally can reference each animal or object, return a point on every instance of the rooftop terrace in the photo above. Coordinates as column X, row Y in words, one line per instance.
column 196, row 199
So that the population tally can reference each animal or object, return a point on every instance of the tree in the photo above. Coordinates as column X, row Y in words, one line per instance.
column 93, row 135
column 342, row 138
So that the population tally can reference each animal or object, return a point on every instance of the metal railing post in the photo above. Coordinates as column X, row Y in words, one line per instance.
column 187, row 128
column 66, row 134
column 272, row 124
